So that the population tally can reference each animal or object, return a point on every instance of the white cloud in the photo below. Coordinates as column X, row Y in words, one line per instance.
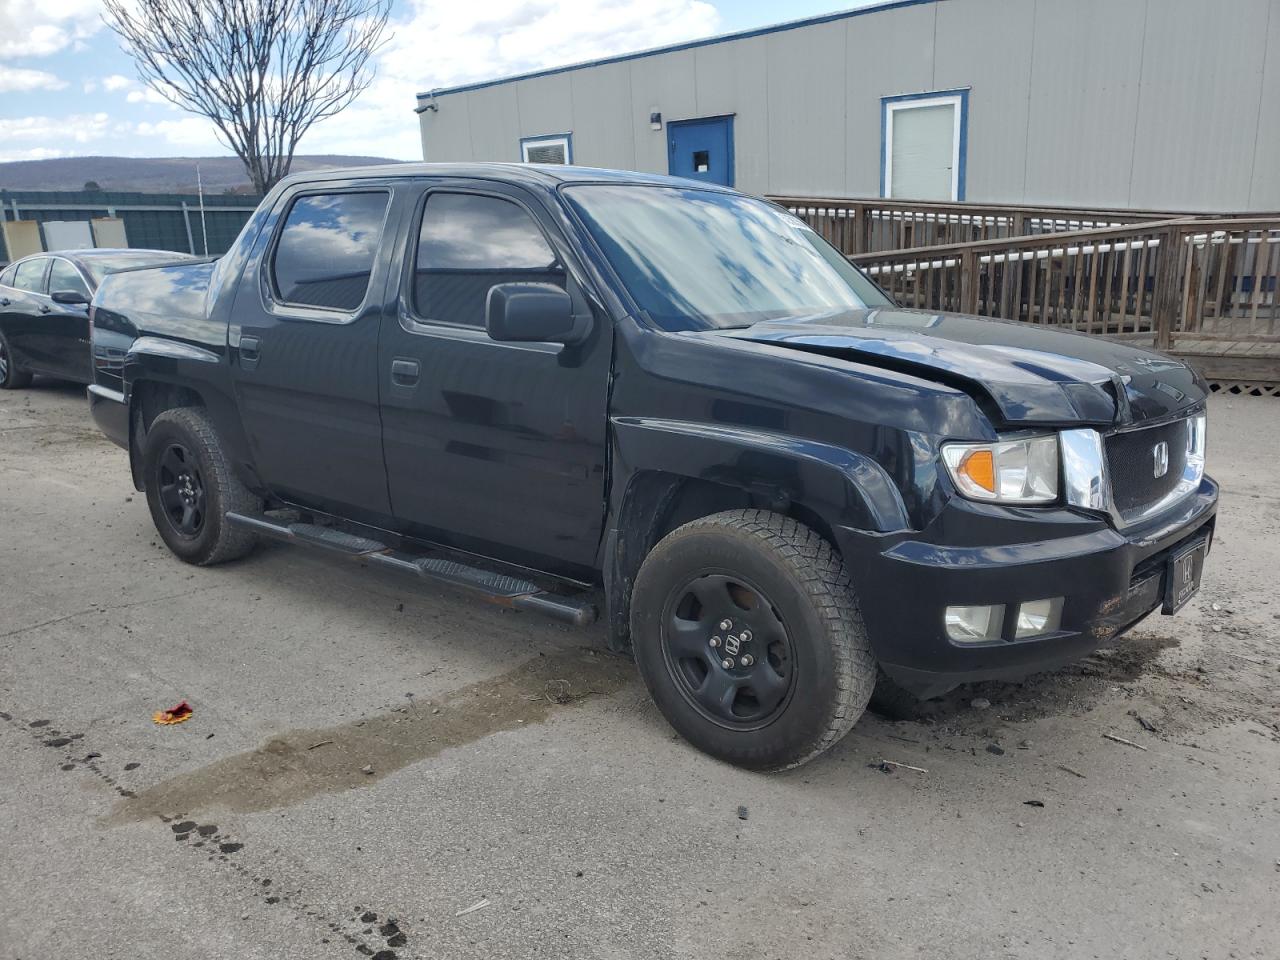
column 440, row 43
column 34, row 153
column 190, row 135
column 79, row 128
column 41, row 29
column 20, row 80
column 436, row 43
column 147, row 95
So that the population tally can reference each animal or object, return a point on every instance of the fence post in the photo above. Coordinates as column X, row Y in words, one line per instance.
column 1164, row 299
column 969, row 282
column 859, row 229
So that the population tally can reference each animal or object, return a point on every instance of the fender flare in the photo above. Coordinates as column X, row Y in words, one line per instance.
column 841, row 486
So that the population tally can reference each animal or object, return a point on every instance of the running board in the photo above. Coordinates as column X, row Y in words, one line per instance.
column 500, row 588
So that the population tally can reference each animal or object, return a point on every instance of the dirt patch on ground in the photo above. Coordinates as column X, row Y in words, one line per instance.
column 303, row 763
column 1170, row 693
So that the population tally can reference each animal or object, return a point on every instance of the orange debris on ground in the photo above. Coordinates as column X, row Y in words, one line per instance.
column 174, row 714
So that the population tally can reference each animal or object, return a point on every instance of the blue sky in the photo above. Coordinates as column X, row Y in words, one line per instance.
column 66, row 89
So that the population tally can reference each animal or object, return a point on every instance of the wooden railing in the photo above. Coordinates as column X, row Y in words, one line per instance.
column 1160, row 281
column 870, row 225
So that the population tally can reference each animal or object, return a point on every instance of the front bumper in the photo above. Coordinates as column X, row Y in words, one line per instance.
column 1110, row 580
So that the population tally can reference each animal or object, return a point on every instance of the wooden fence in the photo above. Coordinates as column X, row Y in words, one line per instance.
column 1168, row 281
column 866, row 226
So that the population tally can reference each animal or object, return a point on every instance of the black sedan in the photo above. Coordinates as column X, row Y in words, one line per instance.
column 44, row 310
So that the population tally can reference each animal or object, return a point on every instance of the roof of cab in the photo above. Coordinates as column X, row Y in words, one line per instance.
column 540, row 174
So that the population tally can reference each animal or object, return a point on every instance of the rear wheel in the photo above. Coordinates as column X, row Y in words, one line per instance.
column 191, row 486
column 749, row 638
column 11, row 378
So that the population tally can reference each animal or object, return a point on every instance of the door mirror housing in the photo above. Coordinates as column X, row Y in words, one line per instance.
column 533, row 313
column 70, row 298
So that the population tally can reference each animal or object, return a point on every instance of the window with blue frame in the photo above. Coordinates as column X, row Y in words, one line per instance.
column 924, row 139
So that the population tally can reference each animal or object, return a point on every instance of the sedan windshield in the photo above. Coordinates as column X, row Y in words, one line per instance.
column 697, row 259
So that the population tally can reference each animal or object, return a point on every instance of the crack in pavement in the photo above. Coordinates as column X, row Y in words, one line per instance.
column 104, row 608
column 221, row 848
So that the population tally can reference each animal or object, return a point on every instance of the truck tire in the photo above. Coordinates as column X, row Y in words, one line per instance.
column 190, row 487
column 749, row 638
column 11, row 378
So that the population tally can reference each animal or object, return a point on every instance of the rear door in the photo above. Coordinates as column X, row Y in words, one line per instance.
column 66, row 333
column 304, row 347
column 24, row 307
column 497, row 448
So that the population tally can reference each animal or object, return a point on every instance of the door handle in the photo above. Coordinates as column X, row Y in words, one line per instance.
column 5, row 301
column 404, row 373
column 249, row 347
column 45, row 308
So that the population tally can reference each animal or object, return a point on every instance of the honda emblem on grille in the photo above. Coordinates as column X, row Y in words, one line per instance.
column 1160, row 453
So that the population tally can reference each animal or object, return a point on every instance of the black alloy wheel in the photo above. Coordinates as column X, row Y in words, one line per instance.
column 728, row 651
column 182, row 493
column 748, row 636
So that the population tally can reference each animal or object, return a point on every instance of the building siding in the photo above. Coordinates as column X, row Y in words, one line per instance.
column 1165, row 104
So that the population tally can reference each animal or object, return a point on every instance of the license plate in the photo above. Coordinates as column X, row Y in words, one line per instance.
column 1183, row 577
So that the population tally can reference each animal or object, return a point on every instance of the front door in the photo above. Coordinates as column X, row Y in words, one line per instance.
column 304, row 348
column 67, row 324
column 496, row 448
column 701, row 149
column 23, row 307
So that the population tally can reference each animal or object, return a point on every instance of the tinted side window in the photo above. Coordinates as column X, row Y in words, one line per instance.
column 6, row 277
column 64, row 278
column 326, row 249
column 30, row 275
column 469, row 243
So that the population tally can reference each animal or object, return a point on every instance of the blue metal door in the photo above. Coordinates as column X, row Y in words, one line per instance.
column 701, row 149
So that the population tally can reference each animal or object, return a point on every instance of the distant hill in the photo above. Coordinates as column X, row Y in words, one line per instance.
column 151, row 174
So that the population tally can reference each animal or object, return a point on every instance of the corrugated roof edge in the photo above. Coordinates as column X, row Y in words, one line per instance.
column 510, row 172
column 676, row 47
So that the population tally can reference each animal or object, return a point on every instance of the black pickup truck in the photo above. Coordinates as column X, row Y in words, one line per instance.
column 542, row 384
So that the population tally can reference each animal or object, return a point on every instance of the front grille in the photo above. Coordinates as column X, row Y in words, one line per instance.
column 1131, row 462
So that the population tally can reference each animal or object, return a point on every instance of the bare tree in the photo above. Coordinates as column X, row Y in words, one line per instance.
column 263, row 71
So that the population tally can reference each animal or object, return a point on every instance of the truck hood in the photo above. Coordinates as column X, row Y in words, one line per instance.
column 1031, row 375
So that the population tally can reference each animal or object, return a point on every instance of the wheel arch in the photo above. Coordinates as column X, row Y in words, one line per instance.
column 692, row 471
column 177, row 375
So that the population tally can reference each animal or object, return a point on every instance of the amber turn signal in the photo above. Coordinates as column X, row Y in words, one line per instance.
column 980, row 467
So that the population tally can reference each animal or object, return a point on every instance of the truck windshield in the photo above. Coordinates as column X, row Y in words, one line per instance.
column 697, row 259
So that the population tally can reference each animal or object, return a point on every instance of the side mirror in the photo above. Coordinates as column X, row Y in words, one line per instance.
column 533, row 313
column 70, row 298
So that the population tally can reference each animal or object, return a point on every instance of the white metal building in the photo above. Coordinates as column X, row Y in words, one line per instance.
column 1149, row 104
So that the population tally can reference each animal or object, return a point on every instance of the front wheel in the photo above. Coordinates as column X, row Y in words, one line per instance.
column 749, row 639
column 191, row 486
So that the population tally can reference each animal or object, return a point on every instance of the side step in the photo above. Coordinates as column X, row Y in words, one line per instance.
column 500, row 588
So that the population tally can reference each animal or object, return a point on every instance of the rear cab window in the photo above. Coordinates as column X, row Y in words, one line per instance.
column 326, row 249
column 470, row 242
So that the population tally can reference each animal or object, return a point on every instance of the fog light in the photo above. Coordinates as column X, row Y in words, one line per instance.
column 974, row 624
column 1038, row 616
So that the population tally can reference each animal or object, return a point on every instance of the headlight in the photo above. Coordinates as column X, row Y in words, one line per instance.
column 1007, row 471
column 1197, row 441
